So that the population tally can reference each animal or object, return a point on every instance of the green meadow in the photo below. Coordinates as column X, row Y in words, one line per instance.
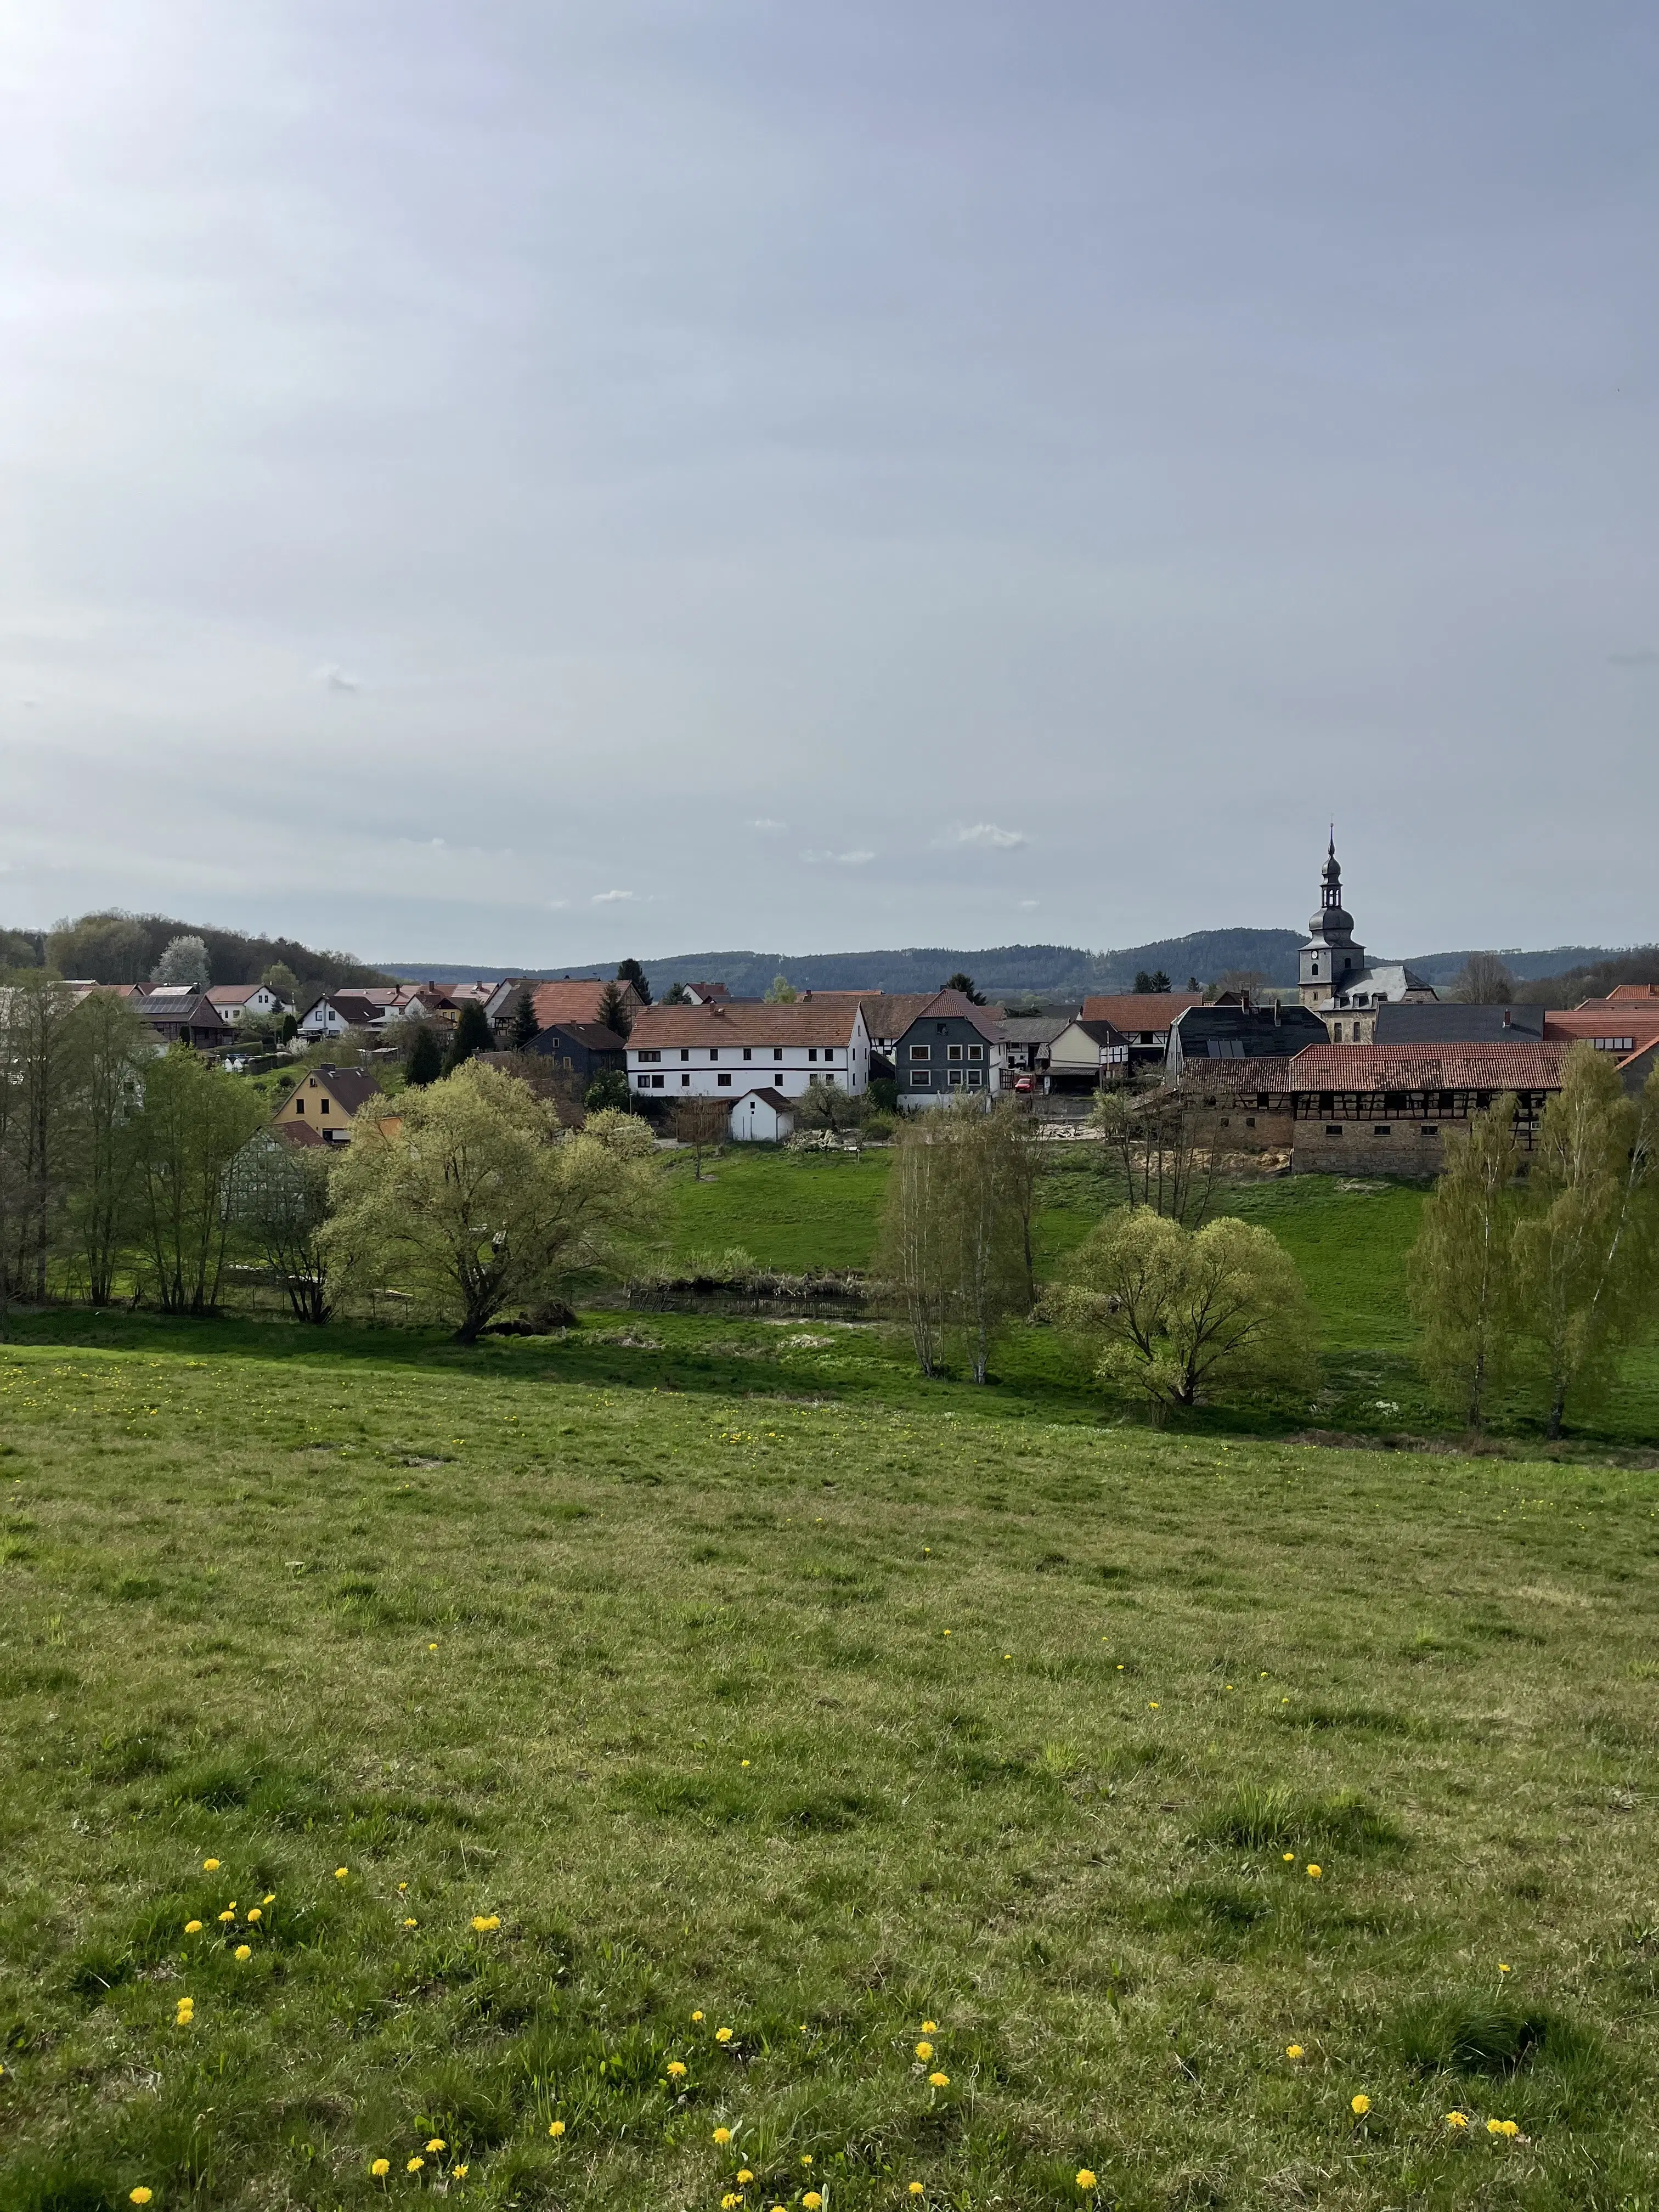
column 734, row 1679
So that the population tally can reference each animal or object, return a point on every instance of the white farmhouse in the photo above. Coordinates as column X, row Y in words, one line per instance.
column 726, row 1047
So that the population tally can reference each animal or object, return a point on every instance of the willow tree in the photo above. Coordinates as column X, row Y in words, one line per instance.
column 474, row 1198
column 955, row 1244
column 1462, row 1268
column 196, row 1120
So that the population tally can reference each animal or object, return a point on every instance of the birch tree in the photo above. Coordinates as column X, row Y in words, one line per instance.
column 1462, row 1268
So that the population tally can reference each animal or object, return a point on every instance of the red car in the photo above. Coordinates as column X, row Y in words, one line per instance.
column 1024, row 1083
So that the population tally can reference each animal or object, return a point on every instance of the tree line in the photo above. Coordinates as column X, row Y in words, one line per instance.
column 124, row 1170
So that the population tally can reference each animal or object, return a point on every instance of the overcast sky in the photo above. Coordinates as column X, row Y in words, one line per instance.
column 529, row 481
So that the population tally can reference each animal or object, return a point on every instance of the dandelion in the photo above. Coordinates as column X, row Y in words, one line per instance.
column 139, row 2196
column 485, row 1924
column 743, row 2174
column 459, row 2173
column 806, row 2157
column 1503, row 1969
column 722, row 2134
column 812, row 2200
column 1457, row 2120
column 411, row 1923
column 270, row 1897
column 696, row 2015
column 223, row 1917
column 677, row 2069
column 192, row 1927
column 340, row 1872
column 415, row 2166
column 556, row 2128
column 1293, row 2050
column 743, row 1762
column 939, row 2080
column 1289, row 1858
column 1085, row 2180
column 924, row 2050
column 380, row 2169
column 722, row 2035
column 242, row 1953
column 254, row 1913
column 1509, row 2128
column 437, row 2143
column 916, row 2189
column 1315, row 1872
column 1151, row 1704
column 930, row 2027
column 210, row 1866
column 1360, row 2106
column 730, row 2200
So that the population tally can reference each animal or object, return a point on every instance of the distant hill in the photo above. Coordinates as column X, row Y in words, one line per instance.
column 113, row 947
column 1003, row 971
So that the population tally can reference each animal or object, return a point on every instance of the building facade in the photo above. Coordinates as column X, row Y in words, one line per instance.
column 951, row 1047
column 731, row 1046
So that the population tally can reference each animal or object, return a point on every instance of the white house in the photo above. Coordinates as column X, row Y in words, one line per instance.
column 739, row 1045
column 248, row 1002
column 761, row 1117
column 340, row 1011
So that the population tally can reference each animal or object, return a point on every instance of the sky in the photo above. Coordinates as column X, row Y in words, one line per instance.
column 527, row 482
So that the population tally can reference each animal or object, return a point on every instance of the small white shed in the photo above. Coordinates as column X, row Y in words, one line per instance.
column 761, row 1117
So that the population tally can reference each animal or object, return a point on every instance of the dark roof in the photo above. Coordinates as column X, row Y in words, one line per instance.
column 593, row 1037
column 1034, row 1028
column 1247, row 1032
column 773, row 1098
column 1444, row 1021
column 196, row 1010
column 951, row 1005
column 347, row 1086
column 1525, row 1065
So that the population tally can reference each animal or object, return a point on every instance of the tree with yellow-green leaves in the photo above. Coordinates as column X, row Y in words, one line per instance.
column 476, row 1199
column 1462, row 1268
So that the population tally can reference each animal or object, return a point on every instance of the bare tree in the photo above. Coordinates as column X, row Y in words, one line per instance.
column 701, row 1124
column 1164, row 1138
column 1484, row 982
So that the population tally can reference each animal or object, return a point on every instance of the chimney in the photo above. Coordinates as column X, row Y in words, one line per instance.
column 1507, row 1018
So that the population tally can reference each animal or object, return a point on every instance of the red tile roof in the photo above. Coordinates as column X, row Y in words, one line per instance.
column 1520, row 1066
column 746, row 1021
column 889, row 1013
column 1132, row 1011
column 576, row 1000
column 1631, row 1019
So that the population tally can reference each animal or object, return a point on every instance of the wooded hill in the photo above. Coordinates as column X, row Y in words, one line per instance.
column 113, row 947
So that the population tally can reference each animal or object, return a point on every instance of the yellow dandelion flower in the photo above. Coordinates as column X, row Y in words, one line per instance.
column 939, row 2080
column 1503, row 1969
column 223, row 1917
column 139, row 2196
column 459, row 2173
column 555, row 2127
column 1510, row 2128
column 696, row 2015
column 411, row 1923
column 924, row 2049
column 192, row 1927
column 269, row 1898
column 1085, row 2180
column 722, row 2134
column 437, row 2143
column 1360, row 2106
column 743, row 2174
column 806, row 2157
column 340, row 1872
column 677, row 2069
column 722, row 2035
column 812, row 2200
column 380, row 2169
column 916, row 2190
column 1293, row 2050
column 243, row 1951
column 415, row 2166
column 402, row 1886
column 730, row 2200
column 1315, row 1872
column 743, row 1762
column 1457, row 2120
column 1289, row 1858
column 1151, row 1704
column 930, row 2027
column 210, row 1866
column 254, row 1913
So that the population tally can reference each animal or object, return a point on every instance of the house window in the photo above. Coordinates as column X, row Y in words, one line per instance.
column 777, row 1052
column 724, row 1081
column 811, row 1052
column 747, row 1054
column 714, row 1052
column 1332, row 1129
column 1382, row 1131
column 685, row 1052
column 975, row 1052
column 975, row 1077
column 299, row 1105
column 325, row 1106
column 685, row 1083
column 650, row 1056
column 919, row 1051
column 956, row 1052
column 956, row 1077
column 657, row 1082
column 921, row 1077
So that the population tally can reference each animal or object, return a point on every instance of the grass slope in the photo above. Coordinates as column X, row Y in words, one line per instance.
column 813, row 1722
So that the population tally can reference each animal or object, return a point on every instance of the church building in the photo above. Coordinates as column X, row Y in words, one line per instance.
column 1336, row 982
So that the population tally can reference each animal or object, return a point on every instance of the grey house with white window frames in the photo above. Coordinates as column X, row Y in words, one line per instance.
column 951, row 1047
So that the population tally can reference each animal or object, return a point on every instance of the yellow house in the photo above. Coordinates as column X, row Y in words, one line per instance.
column 323, row 1105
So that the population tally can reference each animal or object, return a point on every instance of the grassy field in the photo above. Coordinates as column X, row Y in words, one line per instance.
column 816, row 1723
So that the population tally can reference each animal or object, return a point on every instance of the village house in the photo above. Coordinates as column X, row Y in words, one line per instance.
column 338, row 1011
column 744, row 1044
column 951, row 1046
column 1027, row 1039
column 1231, row 1029
column 761, row 1117
column 181, row 1014
column 582, row 1049
column 1388, row 1110
column 248, row 1002
column 324, row 1104
column 1088, row 1055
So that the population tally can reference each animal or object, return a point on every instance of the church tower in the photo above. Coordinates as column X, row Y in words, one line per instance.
column 1330, row 953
